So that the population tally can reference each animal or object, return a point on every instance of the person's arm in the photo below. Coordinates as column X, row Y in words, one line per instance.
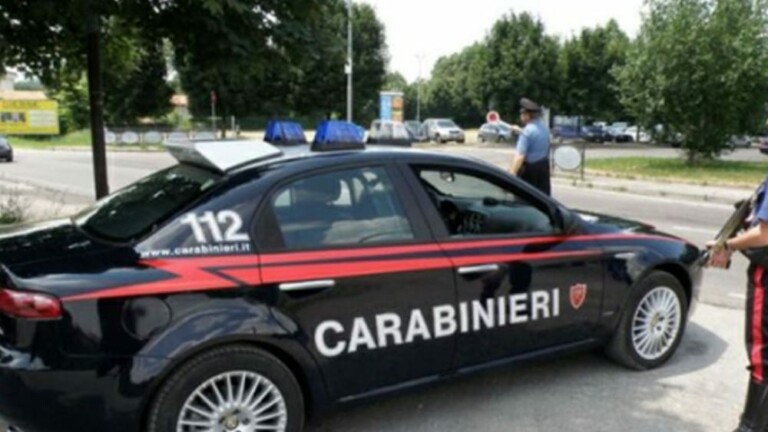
column 517, row 164
column 522, row 150
column 754, row 237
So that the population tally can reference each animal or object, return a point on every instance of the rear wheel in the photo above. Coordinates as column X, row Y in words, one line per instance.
column 230, row 389
column 652, row 325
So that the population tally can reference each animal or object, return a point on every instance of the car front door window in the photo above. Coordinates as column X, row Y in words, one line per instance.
column 471, row 204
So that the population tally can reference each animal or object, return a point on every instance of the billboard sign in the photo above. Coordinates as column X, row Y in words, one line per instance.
column 392, row 104
column 27, row 117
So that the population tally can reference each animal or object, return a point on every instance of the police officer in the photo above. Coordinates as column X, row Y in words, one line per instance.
column 755, row 416
column 532, row 160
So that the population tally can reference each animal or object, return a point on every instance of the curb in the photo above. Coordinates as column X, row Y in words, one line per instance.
column 665, row 193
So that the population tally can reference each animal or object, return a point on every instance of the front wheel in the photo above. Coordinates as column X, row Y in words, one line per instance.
column 652, row 325
column 235, row 388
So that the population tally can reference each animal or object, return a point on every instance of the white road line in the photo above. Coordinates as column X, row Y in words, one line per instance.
column 636, row 196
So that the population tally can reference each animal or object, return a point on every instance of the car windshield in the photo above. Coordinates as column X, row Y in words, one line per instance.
column 3, row 143
column 446, row 124
column 139, row 208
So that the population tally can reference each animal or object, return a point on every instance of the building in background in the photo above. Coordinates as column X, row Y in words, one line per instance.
column 26, row 112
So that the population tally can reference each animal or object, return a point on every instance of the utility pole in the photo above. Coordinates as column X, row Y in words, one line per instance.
column 349, row 67
column 213, row 112
column 419, row 58
column 96, row 101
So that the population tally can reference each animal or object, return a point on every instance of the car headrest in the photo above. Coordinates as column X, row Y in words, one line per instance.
column 323, row 189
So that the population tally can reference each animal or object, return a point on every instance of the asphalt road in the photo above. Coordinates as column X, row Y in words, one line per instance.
column 700, row 390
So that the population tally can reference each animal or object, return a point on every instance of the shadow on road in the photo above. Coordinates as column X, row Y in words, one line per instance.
column 584, row 392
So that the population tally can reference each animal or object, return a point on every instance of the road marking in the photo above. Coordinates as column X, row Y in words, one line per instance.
column 738, row 296
column 638, row 196
column 699, row 230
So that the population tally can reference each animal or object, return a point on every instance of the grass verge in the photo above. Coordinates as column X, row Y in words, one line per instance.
column 711, row 173
column 13, row 208
column 75, row 139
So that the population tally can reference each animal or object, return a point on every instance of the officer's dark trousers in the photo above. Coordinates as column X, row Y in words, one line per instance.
column 755, row 417
column 537, row 175
column 757, row 323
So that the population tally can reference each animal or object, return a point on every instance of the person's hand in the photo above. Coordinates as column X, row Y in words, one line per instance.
column 516, row 129
column 719, row 257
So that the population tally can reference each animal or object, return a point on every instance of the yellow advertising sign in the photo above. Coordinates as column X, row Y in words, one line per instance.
column 26, row 117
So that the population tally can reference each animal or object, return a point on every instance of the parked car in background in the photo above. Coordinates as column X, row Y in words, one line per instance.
column 618, row 134
column 6, row 151
column 638, row 134
column 443, row 131
column 495, row 132
column 416, row 130
column 595, row 134
column 762, row 144
column 566, row 132
column 739, row 141
column 388, row 132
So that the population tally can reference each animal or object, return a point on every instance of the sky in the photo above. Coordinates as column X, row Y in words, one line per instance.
column 434, row 28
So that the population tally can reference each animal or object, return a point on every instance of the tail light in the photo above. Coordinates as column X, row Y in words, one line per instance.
column 29, row 305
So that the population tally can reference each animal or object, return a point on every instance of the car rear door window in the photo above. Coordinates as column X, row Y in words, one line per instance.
column 349, row 207
column 472, row 204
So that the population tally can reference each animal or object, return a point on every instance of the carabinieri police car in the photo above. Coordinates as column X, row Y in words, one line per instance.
column 249, row 285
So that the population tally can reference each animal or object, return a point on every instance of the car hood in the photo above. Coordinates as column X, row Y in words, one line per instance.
column 45, row 241
column 603, row 224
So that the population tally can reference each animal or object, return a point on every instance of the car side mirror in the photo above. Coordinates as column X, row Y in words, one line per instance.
column 566, row 221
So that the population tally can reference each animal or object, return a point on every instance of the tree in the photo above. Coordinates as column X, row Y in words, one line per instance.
column 370, row 60
column 242, row 51
column 521, row 62
column 700, row 67
column 589, row 87
column 395, row 81
column 456, row 89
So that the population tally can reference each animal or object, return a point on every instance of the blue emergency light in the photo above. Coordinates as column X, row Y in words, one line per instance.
column 338, row 135
column 284, row 133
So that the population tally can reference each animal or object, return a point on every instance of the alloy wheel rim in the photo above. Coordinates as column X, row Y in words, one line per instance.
column 239, row 401
column 656, row 323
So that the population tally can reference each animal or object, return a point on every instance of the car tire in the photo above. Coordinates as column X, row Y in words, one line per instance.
column 628, row 345
column 254, row 372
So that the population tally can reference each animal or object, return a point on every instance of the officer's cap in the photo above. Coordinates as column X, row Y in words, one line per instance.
column 527, row 105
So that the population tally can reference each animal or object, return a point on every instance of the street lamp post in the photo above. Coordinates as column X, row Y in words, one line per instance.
column 420, row 58
column 349, row 66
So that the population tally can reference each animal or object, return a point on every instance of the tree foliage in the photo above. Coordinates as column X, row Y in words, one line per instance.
column 589, row 87
column 700, row 67
column 261, row 57
column 46, row 38
column 517, row 59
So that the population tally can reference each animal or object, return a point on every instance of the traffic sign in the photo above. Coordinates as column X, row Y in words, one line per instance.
column 493, row 117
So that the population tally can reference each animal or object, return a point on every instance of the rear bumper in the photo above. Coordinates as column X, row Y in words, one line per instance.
column 74, row 395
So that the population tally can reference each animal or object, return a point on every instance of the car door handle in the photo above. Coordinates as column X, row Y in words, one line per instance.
column 307, row 286
column 488, row 268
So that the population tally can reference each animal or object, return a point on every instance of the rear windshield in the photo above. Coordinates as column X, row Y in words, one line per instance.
column 138, row 209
